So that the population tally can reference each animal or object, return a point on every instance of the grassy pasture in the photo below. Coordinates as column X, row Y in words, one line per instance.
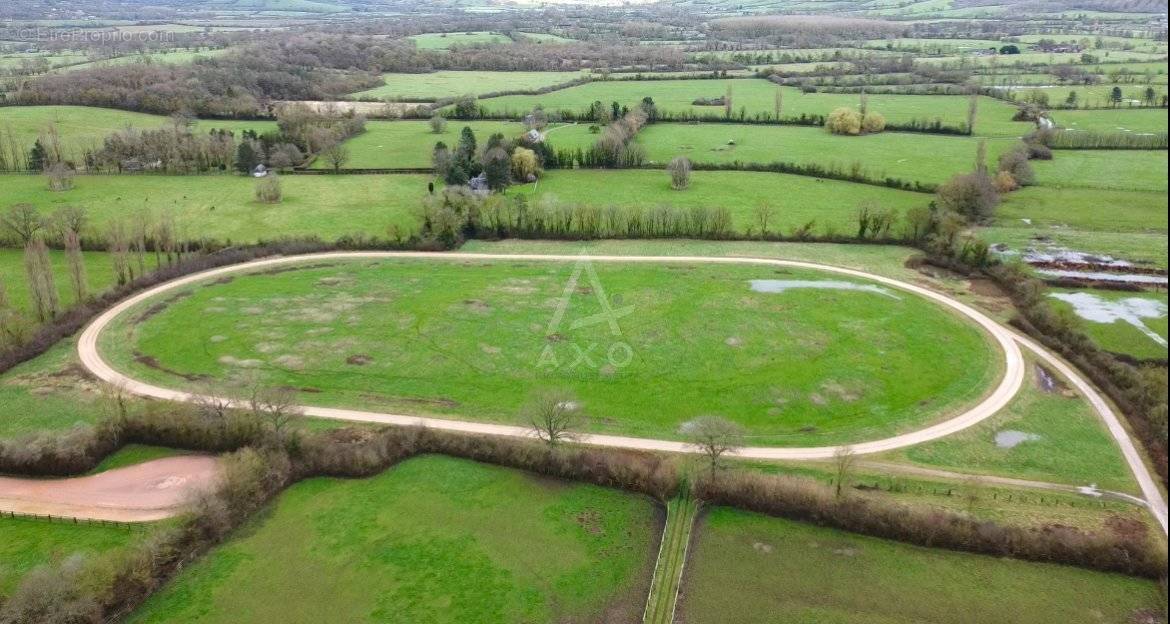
column 747, row 569
column 1125, row 170
column 1113, row 120
column 1145, row 247
column 922, row 158
column 1072, row 445
column 797, row 200
column 1088, row 209
column 83, row 128
column 410, row 143
column 475, row 340
column 434, row 540
column 758, row 96
column 223, row 206
column 1094, row 96
column 443, row 84
column 49, row 392
column 29, row 543
column 444, row 41
column 98, row 268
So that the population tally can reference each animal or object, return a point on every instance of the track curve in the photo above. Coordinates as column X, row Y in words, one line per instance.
column 1008, row 341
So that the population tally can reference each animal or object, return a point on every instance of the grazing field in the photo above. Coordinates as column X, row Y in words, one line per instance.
column 1147, row 248
column 1113, row 120
column 797, row 200
column 444, row 41
column 1132, row 323
column 1125, row 170
column 1048, row 433
column 434, row 540
column 443, row 84
column 29, row 543
column 408, row 144
column 50, row 392
column 98, row 269
column 1093, row 210
column 476, row 340
column 83, row 128
column 223, row 206
column 1095, row 96
column 921, row 158
column 747, row 568
column 758, row 96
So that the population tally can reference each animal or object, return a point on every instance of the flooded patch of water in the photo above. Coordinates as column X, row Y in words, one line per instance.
column 1129, row 310
column 1009, row 438
column 1097, row 276
column 779, row 286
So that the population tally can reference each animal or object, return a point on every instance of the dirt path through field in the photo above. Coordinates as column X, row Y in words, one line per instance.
column 148, row 491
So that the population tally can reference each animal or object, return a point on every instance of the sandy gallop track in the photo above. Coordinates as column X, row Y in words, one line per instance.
column 1009, row 345
column 148, row 491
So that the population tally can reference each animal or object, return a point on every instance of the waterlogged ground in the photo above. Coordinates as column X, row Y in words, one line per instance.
column 646, row 348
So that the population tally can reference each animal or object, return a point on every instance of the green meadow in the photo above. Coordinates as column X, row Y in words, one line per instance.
column 433, row 539
column 441, row 84
column 477, row 339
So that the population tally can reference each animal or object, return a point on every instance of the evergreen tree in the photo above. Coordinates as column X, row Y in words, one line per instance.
column 246, row 157
column 36, row 157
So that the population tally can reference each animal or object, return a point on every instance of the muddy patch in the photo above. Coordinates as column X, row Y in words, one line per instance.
column 1010, row 438
column 150, row 361
column 761, row 547
column 780, row 286
column 1047, row 382
column 295, row 267
column 158, row 307
column 436, row 402
column 359, row 359
column 590, row 520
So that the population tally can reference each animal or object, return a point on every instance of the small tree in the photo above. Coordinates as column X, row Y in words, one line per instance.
column 59, row 176
column 23, row 221
column 268, row 189
column 715, row 437
column 337, row 154
column 844, row 460
column 1115, row 96
column 554, row 416
column 680, row 172
column 972, row 195
column 438, row 123
column 972, row 112
column 764, row 214
column 275, row 406
column 525, row 166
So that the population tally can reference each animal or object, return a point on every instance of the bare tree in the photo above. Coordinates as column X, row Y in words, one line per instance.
column 715, row 437
column 77, row 276
column 41, row 286
column 119, row 245
column 23, row 221
column 210, row 405
column 438, row 123
column 680, row 172
column 844, row 461
column 60, row 176
column 555, row 416
column 276, row 406
column 778, row 104
column 973, row 111
column 764, row 214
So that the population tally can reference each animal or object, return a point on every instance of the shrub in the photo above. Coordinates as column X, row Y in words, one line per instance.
column 1005, row 182
column 971, row 195
column 844, row 121
column 1016, row 163
column 438, row 124
column 268, row 189
column 680, row 172
column 873, row 122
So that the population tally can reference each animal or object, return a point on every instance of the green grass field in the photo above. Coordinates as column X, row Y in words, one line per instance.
column 921, row 158
column 223, row 206
column 1121, row 336
column 444, row 41
column 747, row 568
column 98, row 268
column 1145, row 247
column 410, row 143
column 29, row 543
column 443, row 84
column 1123, row 170
column 1113, row 120
column 797, row 200
column 84, row 128
column 1093, row 210
column 758, row 96
column 475, row 340
column 434, row 540
column 50, row 392
column 1071, row 446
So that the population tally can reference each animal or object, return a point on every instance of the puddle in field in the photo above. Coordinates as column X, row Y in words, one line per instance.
column 1129, row 310
column 779, row 286
column 1009, row 438
column 1095, row 276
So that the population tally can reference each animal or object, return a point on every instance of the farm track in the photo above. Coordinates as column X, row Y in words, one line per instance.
column 662, row 602
column 1008, row 341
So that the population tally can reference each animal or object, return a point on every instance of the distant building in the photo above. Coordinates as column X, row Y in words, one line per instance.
column 260, row 171
column 534, row 136
column 479, row 184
